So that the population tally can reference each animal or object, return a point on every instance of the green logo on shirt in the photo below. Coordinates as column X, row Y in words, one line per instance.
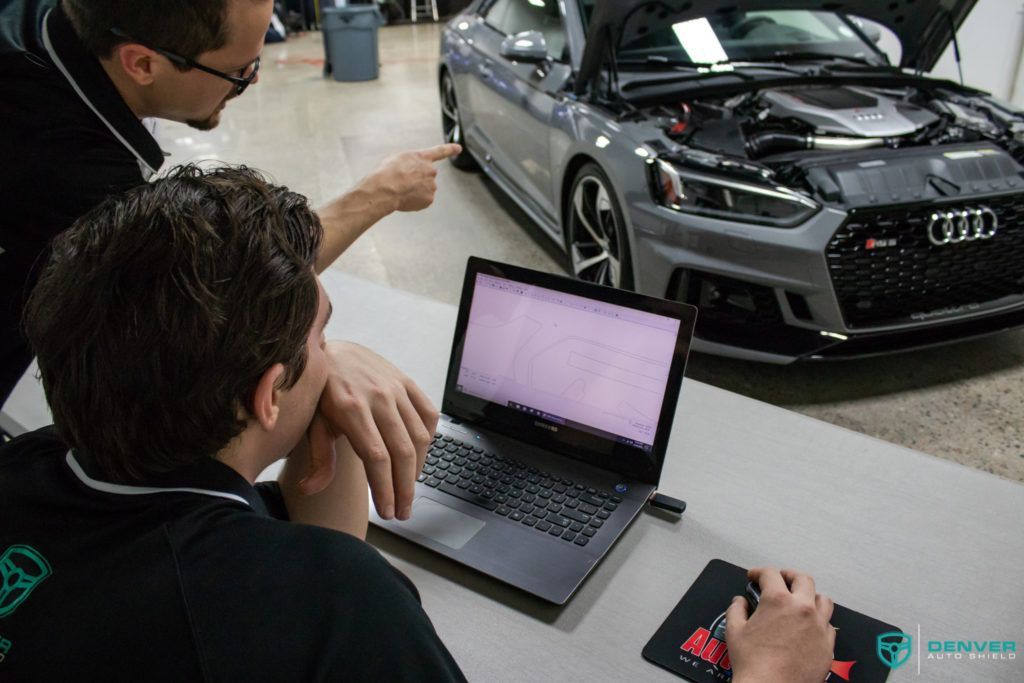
column 21, row 569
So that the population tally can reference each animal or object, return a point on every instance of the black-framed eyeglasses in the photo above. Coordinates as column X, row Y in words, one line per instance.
column 242, row 81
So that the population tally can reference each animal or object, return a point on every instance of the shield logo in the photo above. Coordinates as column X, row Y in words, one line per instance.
column 893, row 648
column 21, row 569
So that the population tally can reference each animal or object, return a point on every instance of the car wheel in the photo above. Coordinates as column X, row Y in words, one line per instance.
column 595, row 236
column 451, row 123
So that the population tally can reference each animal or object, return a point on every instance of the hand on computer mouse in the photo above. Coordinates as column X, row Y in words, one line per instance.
column 788, row 638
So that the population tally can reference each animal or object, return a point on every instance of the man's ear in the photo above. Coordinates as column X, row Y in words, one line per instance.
column 266, row 400
column 138, row 63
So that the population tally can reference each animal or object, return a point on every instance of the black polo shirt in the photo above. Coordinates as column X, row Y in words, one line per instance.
column 190, row 577
column 67, row 140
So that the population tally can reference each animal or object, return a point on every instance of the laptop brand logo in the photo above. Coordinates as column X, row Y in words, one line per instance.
column 544, row 425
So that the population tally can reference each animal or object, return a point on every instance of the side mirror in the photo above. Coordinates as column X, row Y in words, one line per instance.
column 528, row 46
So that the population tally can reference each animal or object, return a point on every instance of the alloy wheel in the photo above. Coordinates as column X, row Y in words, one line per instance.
column 595, row 246
column 450, row 122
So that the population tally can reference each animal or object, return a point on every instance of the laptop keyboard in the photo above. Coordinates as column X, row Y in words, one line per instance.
column 552, row 505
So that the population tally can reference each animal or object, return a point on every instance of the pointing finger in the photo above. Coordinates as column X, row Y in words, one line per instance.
column 440, row 152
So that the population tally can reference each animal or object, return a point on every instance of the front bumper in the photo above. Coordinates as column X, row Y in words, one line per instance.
column 843, row 285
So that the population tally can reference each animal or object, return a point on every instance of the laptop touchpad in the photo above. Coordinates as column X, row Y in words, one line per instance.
column 441, row 523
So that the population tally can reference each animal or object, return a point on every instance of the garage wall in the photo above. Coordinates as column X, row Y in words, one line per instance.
column 991, row 45
column 990, row 39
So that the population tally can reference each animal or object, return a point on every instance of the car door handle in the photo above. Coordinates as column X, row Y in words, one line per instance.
column 485, row 69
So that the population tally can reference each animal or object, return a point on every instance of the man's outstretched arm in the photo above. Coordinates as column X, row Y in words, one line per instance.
column 386, row 418
column 403, row 182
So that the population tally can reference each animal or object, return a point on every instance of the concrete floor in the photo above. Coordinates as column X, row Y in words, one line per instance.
column 960, row 402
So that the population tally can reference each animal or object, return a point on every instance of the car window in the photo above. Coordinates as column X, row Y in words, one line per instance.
column 882, row 36
column 515, row 16
column 737, row 35
column 810, row 26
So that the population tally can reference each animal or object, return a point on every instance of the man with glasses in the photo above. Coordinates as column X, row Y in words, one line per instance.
column 79, row 77
column 241, row 80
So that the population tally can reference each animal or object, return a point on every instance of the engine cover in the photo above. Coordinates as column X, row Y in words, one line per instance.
column 843, row 110
column 912, row 175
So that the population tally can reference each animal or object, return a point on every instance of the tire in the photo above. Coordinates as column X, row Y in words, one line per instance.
column 451, row 124
column 595, row 231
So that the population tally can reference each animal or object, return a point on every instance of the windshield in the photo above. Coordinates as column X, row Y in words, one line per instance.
column 739, row 36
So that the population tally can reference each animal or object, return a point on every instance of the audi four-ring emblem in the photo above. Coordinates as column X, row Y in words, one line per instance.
column 964, row 225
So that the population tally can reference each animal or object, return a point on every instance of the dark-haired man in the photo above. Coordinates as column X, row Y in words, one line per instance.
column 79, row 75
column 135, row 543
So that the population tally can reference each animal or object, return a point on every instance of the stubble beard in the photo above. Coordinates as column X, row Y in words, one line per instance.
column 211, row 121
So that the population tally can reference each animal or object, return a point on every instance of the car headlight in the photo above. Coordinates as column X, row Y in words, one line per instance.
column 728, row 199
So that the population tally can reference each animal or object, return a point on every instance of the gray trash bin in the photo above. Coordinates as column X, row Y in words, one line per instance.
column 350, row 41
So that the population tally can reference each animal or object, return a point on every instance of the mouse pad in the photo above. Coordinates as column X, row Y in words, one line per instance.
column 691, row 642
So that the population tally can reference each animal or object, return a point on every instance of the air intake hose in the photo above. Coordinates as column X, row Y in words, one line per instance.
column 774, row 141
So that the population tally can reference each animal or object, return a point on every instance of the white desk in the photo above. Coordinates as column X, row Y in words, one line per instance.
column 901, row 536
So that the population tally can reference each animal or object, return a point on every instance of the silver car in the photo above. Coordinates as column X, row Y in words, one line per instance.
column 768, row 165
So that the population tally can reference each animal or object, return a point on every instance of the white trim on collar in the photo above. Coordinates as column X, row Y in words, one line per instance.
column 147, row 170
column 124, row 490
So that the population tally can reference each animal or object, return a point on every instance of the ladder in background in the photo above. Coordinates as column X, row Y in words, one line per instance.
column 418, row 9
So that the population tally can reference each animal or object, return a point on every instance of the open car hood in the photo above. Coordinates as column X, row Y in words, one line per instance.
column 924, row 27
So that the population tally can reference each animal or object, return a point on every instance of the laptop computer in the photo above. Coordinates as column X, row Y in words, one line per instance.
column 557, row 411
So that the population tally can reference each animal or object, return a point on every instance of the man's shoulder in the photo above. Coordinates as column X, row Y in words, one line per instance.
column 36, row 444
column 329, row 603
column 20, row 26
column 319, row 542
column 29, row 466
column 281, row 559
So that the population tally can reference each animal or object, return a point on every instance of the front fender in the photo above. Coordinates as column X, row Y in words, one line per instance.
column 588, row 134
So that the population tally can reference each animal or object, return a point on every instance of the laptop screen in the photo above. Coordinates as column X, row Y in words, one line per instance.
column 583, row 370
column 567, row 359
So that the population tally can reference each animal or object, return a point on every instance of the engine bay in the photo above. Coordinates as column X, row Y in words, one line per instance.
column 778, row 133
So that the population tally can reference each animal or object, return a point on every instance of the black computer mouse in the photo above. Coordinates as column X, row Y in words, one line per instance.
column 753, row 596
